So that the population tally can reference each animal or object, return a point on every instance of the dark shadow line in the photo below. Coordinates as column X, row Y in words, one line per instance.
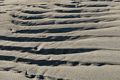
column 59, row 30
column 65, row 50
column 42, row 39
column 28, row 17
column 43, row 51
column 49, row 62
column 38, row 62
column 16, row 48
column 66, row 5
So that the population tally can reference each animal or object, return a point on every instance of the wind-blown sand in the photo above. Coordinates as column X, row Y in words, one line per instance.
column 59, row 40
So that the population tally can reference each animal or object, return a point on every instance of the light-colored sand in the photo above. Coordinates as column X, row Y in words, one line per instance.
column 59, row 39
column 6, row 75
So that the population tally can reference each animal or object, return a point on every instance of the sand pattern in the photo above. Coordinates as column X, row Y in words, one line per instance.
column 60, row 40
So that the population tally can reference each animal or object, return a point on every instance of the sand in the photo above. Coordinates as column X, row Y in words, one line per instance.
column 59, row 40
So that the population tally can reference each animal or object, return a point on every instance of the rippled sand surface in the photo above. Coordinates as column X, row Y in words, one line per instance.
column 59, row 39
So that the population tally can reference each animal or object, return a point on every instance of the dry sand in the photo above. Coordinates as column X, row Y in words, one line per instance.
column 59, row 39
